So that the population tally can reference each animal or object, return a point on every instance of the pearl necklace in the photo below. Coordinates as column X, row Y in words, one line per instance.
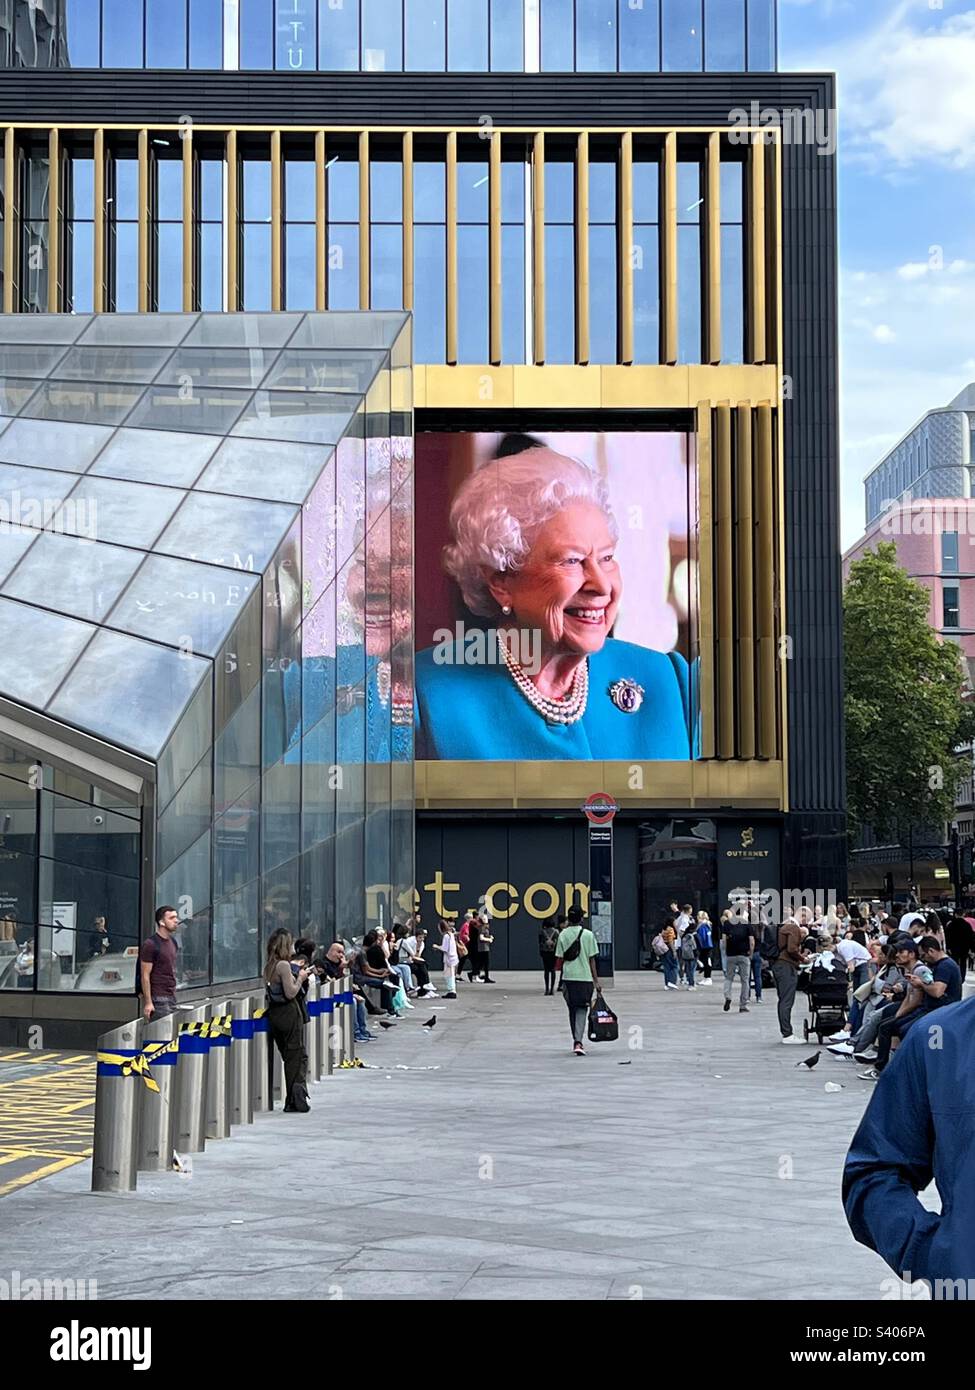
column 566, row 711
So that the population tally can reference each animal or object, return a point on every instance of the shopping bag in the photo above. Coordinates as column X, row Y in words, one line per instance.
column 603, row 1023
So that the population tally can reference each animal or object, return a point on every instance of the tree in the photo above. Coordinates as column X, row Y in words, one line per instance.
column 905, row 712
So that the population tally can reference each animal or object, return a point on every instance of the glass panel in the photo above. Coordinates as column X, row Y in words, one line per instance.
column 732, row 294
column 682, row 36
column 425, row 36
column 318, row 660
column 507, row 36
column 596, row 36
column 236, row 936
column 256, row 190
column 210, row 410
column 191, row 739
column 12, row 546
column 43, row 328
column 386, row 190
column 299, row 190
column 731, row 192
column 53, row 643
column 41, row 442
column 80, row 287
column 88, row 836
column 279, row 900
column 282, row 690
column 122, row 33
column 169, row 265
column 186, row 884
column 724, row 35
column 242, row 330
column 237, row 752
column 127, row 364
column 24, row 360
column 318, row 525
column 256, row 34
column 165, row 33
column 299, row 266
column 124, row 291
column 646, row 293
column 82, row 402
column 256, row 268
column 348, row 330
column 155, row 330
column 342, row 186
column 73, row 575
column 343, row 266
column 206, row 34
column 602, row 294
column 238, row 663
column 429, row 191
column 338, row 36
column 513, row 294
column 211, row 266
column 237, row 532
column 150, row 686
column 472, row 191
column 558, row 27
column 325, row 371
column 559, row 309
column 189, row 606
column 281, row 814
column 387, row 268
column 265, row 468
column 186, row 817
column 472, row 273
column 382, row 36
column 240, row 367
column 761, row 35
column 312, row 419
column 95, row 894
column 122, row 512
column 318, row 783
column 82, row 28
column 350, row 495
column 296, row 42
column 430, row 309
column 163, row 456
column 318, row 889
column 14, row 394
column 467, row 36
column 640, row 36
column 689, row 298
column 30, row 496
column 236, row 844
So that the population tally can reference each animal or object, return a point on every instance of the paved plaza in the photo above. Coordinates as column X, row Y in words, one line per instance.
column 481, row 1160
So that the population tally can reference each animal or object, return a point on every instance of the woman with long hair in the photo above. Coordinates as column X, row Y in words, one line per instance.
column 286, row 1018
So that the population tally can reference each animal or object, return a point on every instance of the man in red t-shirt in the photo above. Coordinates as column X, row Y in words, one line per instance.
column 157, row 966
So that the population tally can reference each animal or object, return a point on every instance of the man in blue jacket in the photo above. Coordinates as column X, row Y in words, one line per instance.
column 919, row 1125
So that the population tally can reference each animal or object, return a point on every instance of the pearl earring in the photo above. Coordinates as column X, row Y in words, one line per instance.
column 506, row 609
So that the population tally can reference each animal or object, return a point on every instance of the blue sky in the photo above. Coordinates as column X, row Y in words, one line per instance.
column 906, row 82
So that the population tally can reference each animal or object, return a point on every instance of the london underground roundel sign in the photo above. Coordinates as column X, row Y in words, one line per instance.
column 600, row 808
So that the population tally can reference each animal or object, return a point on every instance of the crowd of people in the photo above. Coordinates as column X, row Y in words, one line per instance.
column 388, row 970
column 898, row 965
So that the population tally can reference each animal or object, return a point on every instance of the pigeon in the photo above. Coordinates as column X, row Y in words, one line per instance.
column 431, row 1022
column 384, row 1024
column 810, row 1062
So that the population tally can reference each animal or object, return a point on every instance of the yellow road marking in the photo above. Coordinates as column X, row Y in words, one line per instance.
column 81, row 1057
column 36, row 1174
column 13, row 1155
column 11, row 1056
column 78, row 1105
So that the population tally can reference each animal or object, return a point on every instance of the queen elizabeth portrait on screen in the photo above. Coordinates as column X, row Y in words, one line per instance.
column 532, row 549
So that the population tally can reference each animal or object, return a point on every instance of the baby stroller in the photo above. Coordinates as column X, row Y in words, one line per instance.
column 828, row 992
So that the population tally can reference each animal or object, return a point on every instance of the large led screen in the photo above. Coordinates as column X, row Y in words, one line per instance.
column 556, row 596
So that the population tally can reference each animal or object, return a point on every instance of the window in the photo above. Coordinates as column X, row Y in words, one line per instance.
column 724, row 35
column 426, row 39
column 35, row 195
column 299, row 234
column 338, row 35
column 472, row 253
column 689, row 260
column 209, row 205
column 761, row 35
column 295, row 39
column 382, row 35
column 560, row 267
column 165, row 33
column 82, row 26
column 507, row 36
column 949, row 599
column 682, row 32
column 467, row 36
column 596, row 36
column 256, row 234
column 342, row 203
column 123, row 209
column 949, row 552
column 558, row 35
column 256, row 34
column 646, row 258
column 513, row 326
column 602, row 258
column 80, row 232
column 168, row 277
column 640, row 36
column 122, row 22
column 732, row 264
column 430, row 256
column 206, row 33
column 386, row 233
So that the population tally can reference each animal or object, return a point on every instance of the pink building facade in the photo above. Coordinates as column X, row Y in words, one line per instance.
column 935, row 540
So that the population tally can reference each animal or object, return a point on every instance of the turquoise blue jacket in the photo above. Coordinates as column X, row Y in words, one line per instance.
column 477, row 712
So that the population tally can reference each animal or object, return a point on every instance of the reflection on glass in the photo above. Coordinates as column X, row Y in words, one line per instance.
column 122, row 33
column 296, row 41
column 256, row 34
column 236, row 844
column 430, row 308
column 467, row 36
column 596, row 36
column 238, row 532
column 682, row 32
column 206, row 34
column 72, row 575
column 761, row 35
column 382, row 35
column 280, row 814
column 236, row 935
column 507, row 36
column 338, row 36
column 640, row 36
column 558, row 27
column 182, row 603
column 472, row 273
column 724, row 35
column 646, row 293
column 165, row 33
column 425, row 36
column 560, row 308
column 164, row 456
column 318, row 523
column 317, row 418
column 186, row 817
column 237, row 752
column 265, row 468
column 343, row 266
column 689, row 298
column 53, row 643
column 71, row 445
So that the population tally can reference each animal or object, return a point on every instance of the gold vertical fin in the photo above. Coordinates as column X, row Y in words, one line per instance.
column 765, row 580
column 452, row 248
column 98, row 230
column 724, row 529
column 232, row 229
column 712, row 246
column 143, row 211
column 538, row 249
column 745, row 546
column 668, row 251
column 189, row 302
column 757, row 269
column 53, row 221
column 9, row 216
column 408, row 219
column 321, row 228
column 277, row 237
column 364, row 225
column 494, row 250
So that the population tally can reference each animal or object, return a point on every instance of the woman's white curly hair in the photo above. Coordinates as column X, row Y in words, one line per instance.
column 499, row 511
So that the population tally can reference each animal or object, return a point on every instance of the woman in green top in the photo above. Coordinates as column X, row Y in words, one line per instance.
column 575, row 955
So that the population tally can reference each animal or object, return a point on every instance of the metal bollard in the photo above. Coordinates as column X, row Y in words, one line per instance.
column 115, row 1155
column 191, row 1083
column 157, row 1117
column 261, row 1062
column 311, row 1029
column 321, row 1029
column 242, row 1053
column 328, row 1023
column 218, row 1074
column 348, row 1019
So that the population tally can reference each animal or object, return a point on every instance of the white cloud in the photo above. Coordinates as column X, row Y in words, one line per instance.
column 888, row 383
column 905, row 93
column 914, row 270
